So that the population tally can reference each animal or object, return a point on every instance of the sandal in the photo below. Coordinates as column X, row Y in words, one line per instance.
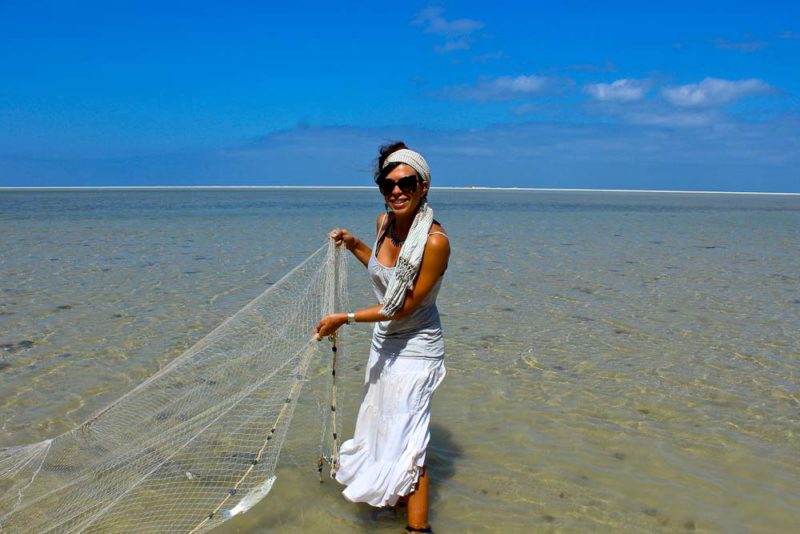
column 412, row 530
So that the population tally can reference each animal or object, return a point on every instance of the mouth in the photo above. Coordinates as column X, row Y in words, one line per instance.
column 399, row 203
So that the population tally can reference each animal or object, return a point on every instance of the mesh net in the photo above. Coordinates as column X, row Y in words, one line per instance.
column 196, row 443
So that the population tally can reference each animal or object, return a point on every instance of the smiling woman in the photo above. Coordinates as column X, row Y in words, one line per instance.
column 385, row 461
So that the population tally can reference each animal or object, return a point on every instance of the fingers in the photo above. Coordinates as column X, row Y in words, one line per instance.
column 320, row 331
column 339, row 235
column 327, row 326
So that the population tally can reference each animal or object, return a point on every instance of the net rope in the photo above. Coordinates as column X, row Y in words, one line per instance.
column 198, row 442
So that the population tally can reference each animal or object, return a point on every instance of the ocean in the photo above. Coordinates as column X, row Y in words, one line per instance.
column 617, row 361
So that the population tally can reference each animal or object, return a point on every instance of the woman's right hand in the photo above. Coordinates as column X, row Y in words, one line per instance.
column 341, row 236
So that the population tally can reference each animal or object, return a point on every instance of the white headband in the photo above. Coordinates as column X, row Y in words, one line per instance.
column 412, row 159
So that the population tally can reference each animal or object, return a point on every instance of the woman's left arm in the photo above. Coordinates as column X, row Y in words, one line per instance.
column 434, row 262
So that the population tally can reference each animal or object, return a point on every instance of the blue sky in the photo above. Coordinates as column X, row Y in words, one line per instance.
column 673, row 95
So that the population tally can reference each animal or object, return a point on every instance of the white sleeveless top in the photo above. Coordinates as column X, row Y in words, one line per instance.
column 417, row 336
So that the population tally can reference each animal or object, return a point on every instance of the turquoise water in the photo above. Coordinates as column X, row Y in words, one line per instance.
column 617, row 361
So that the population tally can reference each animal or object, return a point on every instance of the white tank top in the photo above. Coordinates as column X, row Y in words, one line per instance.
column 417, row 336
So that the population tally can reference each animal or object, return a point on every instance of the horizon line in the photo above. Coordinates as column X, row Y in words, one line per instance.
column 457, row 188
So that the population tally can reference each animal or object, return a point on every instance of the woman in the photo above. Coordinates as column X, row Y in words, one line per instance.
column 385, row 460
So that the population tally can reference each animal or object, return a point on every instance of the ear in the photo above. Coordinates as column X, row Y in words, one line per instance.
column 425, row 188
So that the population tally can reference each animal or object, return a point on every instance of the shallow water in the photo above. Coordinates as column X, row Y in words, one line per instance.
column 616, row 361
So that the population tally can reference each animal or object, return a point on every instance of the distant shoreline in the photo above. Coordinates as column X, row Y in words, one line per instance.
column 452, row 188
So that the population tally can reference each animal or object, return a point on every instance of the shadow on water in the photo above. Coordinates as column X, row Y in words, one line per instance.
column 441, row 457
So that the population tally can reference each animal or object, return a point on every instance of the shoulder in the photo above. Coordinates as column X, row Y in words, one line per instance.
column 380, row 221
column 437, row 233
column 437, row 239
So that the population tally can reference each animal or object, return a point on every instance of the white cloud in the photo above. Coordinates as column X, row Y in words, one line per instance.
column 624, row 90
column 502, row 88
column 433, row 22
column 456, row 32
column 713, row 92
column 520, row 84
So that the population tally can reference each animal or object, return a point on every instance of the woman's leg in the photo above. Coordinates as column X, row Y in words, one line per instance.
column 418, row 503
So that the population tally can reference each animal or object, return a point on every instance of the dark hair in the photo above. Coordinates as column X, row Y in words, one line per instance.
column 384, row 152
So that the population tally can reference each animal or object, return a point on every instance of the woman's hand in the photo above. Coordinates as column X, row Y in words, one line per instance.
column 341, row 236
column 329, row 325
column 361, row 251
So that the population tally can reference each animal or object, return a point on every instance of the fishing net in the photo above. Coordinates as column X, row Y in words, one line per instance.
column 196, row 443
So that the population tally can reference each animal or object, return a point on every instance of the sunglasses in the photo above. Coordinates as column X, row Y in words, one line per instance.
column 407, row 184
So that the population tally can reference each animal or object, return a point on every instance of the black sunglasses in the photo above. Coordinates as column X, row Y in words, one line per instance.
column 407, row 184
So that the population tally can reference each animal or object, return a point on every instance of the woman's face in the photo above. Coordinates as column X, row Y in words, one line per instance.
column 401, row 202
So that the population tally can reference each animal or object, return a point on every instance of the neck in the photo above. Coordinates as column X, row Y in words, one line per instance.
column 402, row 224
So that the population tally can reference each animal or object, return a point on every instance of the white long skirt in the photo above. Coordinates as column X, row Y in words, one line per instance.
column 383, row 460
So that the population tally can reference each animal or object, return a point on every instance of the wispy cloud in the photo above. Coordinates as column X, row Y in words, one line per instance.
column 673, row 119
column 452, row 46
column 653, row 113
column 714, row 92
column 433, row 21
column 606, row 66
column 489, row 56
column 526, row 109
column 624, row 90
column 794, row 36
column 728, row 155
column 456, row 32
column 502, row 88
column 750, row 45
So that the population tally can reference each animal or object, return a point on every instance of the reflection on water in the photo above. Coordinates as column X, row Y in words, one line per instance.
column 615, row 361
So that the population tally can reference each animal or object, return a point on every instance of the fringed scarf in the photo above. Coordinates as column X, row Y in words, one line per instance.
column 407, row 267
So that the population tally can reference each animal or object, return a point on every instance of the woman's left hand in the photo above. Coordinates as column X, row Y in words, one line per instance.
column 328, row 325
